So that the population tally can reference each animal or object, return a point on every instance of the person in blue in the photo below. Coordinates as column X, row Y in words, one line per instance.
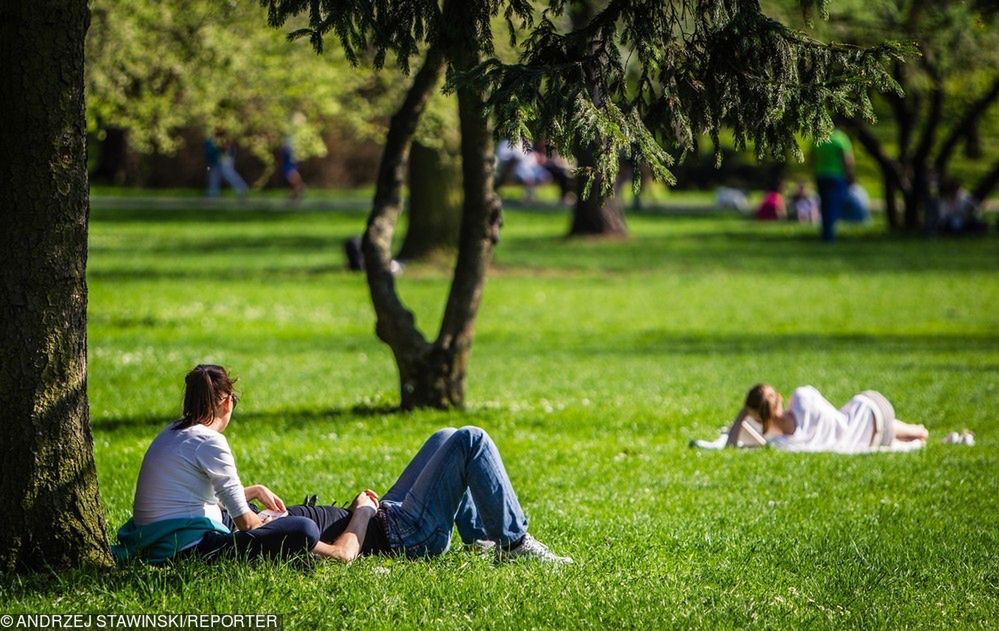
column 189, row 499
column 833, row 174
column 222, row 165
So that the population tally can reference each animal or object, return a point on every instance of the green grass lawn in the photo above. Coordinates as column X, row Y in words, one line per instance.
column 594, row 364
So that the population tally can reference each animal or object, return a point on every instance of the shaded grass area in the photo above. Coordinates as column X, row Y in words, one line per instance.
column 594, row 365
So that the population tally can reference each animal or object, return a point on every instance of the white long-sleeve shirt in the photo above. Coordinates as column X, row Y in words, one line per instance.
column 188, row 473
column 821, row 427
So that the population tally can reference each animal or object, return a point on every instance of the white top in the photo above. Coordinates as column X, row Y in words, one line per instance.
column 821, row 427
column 188, row 473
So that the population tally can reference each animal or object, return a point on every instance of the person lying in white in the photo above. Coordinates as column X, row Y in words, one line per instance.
column 811, row 423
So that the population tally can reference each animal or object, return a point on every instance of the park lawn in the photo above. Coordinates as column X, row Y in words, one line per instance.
column 595, row 362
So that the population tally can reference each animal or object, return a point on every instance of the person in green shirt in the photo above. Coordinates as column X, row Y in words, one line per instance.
column 833, row 174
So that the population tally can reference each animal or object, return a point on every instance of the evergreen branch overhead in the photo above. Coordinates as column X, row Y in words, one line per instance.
column 641, row 78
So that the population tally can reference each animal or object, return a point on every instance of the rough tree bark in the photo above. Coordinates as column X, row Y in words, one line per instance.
column 434, row 202
column 48, row 479
column 432, row 374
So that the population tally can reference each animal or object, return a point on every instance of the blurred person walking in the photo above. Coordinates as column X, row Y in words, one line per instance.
column 833, row 175
column 222, row 166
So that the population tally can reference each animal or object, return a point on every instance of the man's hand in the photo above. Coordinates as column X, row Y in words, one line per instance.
column 265, row 496
column 366, row 498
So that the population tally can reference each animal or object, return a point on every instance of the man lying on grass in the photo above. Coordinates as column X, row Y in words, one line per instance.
column 457, row 478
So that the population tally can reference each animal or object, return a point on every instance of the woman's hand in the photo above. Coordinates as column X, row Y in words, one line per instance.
column 366, row 498
column 265, row 496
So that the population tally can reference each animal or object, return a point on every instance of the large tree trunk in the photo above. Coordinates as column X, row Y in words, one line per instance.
column 53, row 515
column 593, row 215
column 434, row 202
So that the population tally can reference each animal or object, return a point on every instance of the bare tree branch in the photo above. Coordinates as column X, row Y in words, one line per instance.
column 964, row 125
column 987, row 184
column 876, row 150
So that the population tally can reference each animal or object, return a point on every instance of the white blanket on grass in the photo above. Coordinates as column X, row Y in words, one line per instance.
column 719, row 443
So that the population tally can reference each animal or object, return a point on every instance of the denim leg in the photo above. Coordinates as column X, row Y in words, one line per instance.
column 832, row 193
column 470, row 526
column 233, row 177
column 467, row 518
column 214, row 181
column 412, row 471
column 468, row 461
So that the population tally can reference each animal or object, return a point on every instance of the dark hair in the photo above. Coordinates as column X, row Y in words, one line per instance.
column 757, row 403
column 207, row 386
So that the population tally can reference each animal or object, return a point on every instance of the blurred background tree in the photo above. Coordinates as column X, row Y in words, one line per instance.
column 945, row 124
column 161, row 76
column 702, row 67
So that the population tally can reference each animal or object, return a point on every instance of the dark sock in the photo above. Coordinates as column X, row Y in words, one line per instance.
column 515, row 544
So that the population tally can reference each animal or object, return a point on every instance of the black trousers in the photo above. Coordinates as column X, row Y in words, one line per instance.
column 294, row 535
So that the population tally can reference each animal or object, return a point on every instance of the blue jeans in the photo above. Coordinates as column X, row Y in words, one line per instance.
column 832, row 197
column 457, row 478
column 224, row 170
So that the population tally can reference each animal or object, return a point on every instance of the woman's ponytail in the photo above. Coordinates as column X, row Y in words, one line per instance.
column 205, row 388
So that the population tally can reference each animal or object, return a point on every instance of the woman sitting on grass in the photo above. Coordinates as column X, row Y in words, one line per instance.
column 811, row 423
column 457, row 477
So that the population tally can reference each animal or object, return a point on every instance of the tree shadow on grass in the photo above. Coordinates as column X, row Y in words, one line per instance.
column 267, row 274
column 757, row 249
column 173, row 577
column 201, row 215
column 277, row 419
column 654, row 342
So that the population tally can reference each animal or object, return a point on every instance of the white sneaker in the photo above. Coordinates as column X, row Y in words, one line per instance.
column 531, row 548
column 967, row 438
column 480, row 546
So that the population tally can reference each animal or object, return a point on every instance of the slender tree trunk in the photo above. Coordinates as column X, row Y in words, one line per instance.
column 111, row 157
column 434, row 202
column 53, row 516
column 918, row 196
column 481, row 219
column 395, row 324
column 891, row 201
